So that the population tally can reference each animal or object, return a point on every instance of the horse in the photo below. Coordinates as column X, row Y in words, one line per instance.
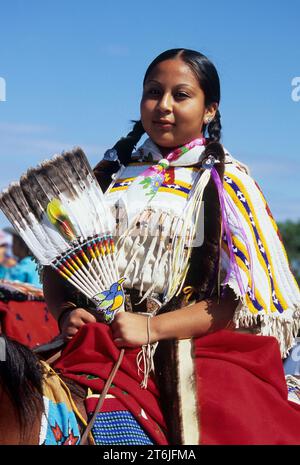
column 39, row 405
column 21, row 394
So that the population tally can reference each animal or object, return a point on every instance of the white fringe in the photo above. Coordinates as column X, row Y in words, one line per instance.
column 44, row 421
column 284, row 327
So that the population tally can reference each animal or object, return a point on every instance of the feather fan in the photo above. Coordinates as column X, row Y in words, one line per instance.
column 59, row 210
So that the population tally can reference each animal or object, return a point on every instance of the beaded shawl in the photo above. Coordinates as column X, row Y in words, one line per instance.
column 161, row 241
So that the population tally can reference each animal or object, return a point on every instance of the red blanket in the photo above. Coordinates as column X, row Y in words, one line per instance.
column 28, row 322
column 241, row 390
column 89, row 359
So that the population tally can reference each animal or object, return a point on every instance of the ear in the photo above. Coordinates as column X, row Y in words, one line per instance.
column 210, row 112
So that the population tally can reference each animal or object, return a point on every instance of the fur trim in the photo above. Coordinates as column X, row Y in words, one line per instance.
column 175, row 375
column 187, row 393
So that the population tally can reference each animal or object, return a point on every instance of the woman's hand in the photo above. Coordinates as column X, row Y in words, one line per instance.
column 74, row 320
column 130, row 330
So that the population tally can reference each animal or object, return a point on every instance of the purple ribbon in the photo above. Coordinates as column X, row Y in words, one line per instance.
column 245, row 241
column 225, row 226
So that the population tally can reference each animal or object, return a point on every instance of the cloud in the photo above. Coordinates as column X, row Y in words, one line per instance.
column 25, row 139
column 268, row 168
column 26, row 145
column 22, row 128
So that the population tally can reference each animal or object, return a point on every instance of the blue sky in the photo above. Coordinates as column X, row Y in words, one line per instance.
column 74, row 71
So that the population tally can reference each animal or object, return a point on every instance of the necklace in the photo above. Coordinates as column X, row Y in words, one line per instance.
column 152, row 178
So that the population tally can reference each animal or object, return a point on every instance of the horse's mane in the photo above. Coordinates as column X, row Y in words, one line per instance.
column 21, row 377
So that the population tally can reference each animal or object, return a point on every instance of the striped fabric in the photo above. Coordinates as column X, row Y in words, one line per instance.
column 179, row 181
column 115, row 425
column 270, row 298
column 272, row 295
column 178, row 187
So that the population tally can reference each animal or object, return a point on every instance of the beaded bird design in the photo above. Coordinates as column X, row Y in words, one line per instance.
column 111, row 300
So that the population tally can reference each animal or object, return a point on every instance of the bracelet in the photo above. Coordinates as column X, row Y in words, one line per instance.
column 144, row 359
column 148, row 329
column 149, row 316
column 66, row 308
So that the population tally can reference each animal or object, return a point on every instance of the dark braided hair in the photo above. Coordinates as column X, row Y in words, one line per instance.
column 125, row 145
column 209, row 82
column 214, row 128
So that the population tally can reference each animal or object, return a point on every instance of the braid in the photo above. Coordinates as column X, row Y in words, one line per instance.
column 214, row 128
column 125, row 145
column 204, row 279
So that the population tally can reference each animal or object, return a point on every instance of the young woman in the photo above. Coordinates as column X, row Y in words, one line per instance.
column 203, row 289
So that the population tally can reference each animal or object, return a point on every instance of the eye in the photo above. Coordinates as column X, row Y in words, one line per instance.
column 152, row 91
column 181, row 95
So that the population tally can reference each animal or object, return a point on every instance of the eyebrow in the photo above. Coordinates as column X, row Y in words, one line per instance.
column 178, row 85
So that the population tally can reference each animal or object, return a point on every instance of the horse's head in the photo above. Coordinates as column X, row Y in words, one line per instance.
column 21, row 380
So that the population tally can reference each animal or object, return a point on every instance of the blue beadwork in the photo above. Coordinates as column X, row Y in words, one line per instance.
column 119, row 428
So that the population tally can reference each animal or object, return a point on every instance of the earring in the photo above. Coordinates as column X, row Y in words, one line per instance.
column 208, row 120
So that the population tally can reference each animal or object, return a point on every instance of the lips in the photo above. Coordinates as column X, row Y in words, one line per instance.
column 163, row 124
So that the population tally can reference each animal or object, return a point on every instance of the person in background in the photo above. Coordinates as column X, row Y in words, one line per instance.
column 6, row 259
column 3, row 248
column 25, row 268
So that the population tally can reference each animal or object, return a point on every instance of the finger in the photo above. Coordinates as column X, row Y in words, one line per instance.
column 75, row 322
column 71, row 331
column 69, row 334
column 123, row 344
column 118, row 316
column 88, row 318
column 119, row 342
column 84, row 315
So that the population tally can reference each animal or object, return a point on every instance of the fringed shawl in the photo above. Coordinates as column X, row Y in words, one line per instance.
column 272, row 297
column 261, row 279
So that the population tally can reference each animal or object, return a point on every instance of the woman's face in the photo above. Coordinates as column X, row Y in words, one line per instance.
column 173, row 105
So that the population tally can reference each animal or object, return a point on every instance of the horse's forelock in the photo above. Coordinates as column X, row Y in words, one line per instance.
column 21, row 378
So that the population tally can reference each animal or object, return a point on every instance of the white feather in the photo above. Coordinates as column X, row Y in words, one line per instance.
column 80, row 207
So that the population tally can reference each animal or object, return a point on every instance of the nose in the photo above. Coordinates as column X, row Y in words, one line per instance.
column 164, row 104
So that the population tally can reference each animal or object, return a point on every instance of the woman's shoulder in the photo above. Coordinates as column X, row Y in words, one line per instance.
column 238, row 181
column 233, row 164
